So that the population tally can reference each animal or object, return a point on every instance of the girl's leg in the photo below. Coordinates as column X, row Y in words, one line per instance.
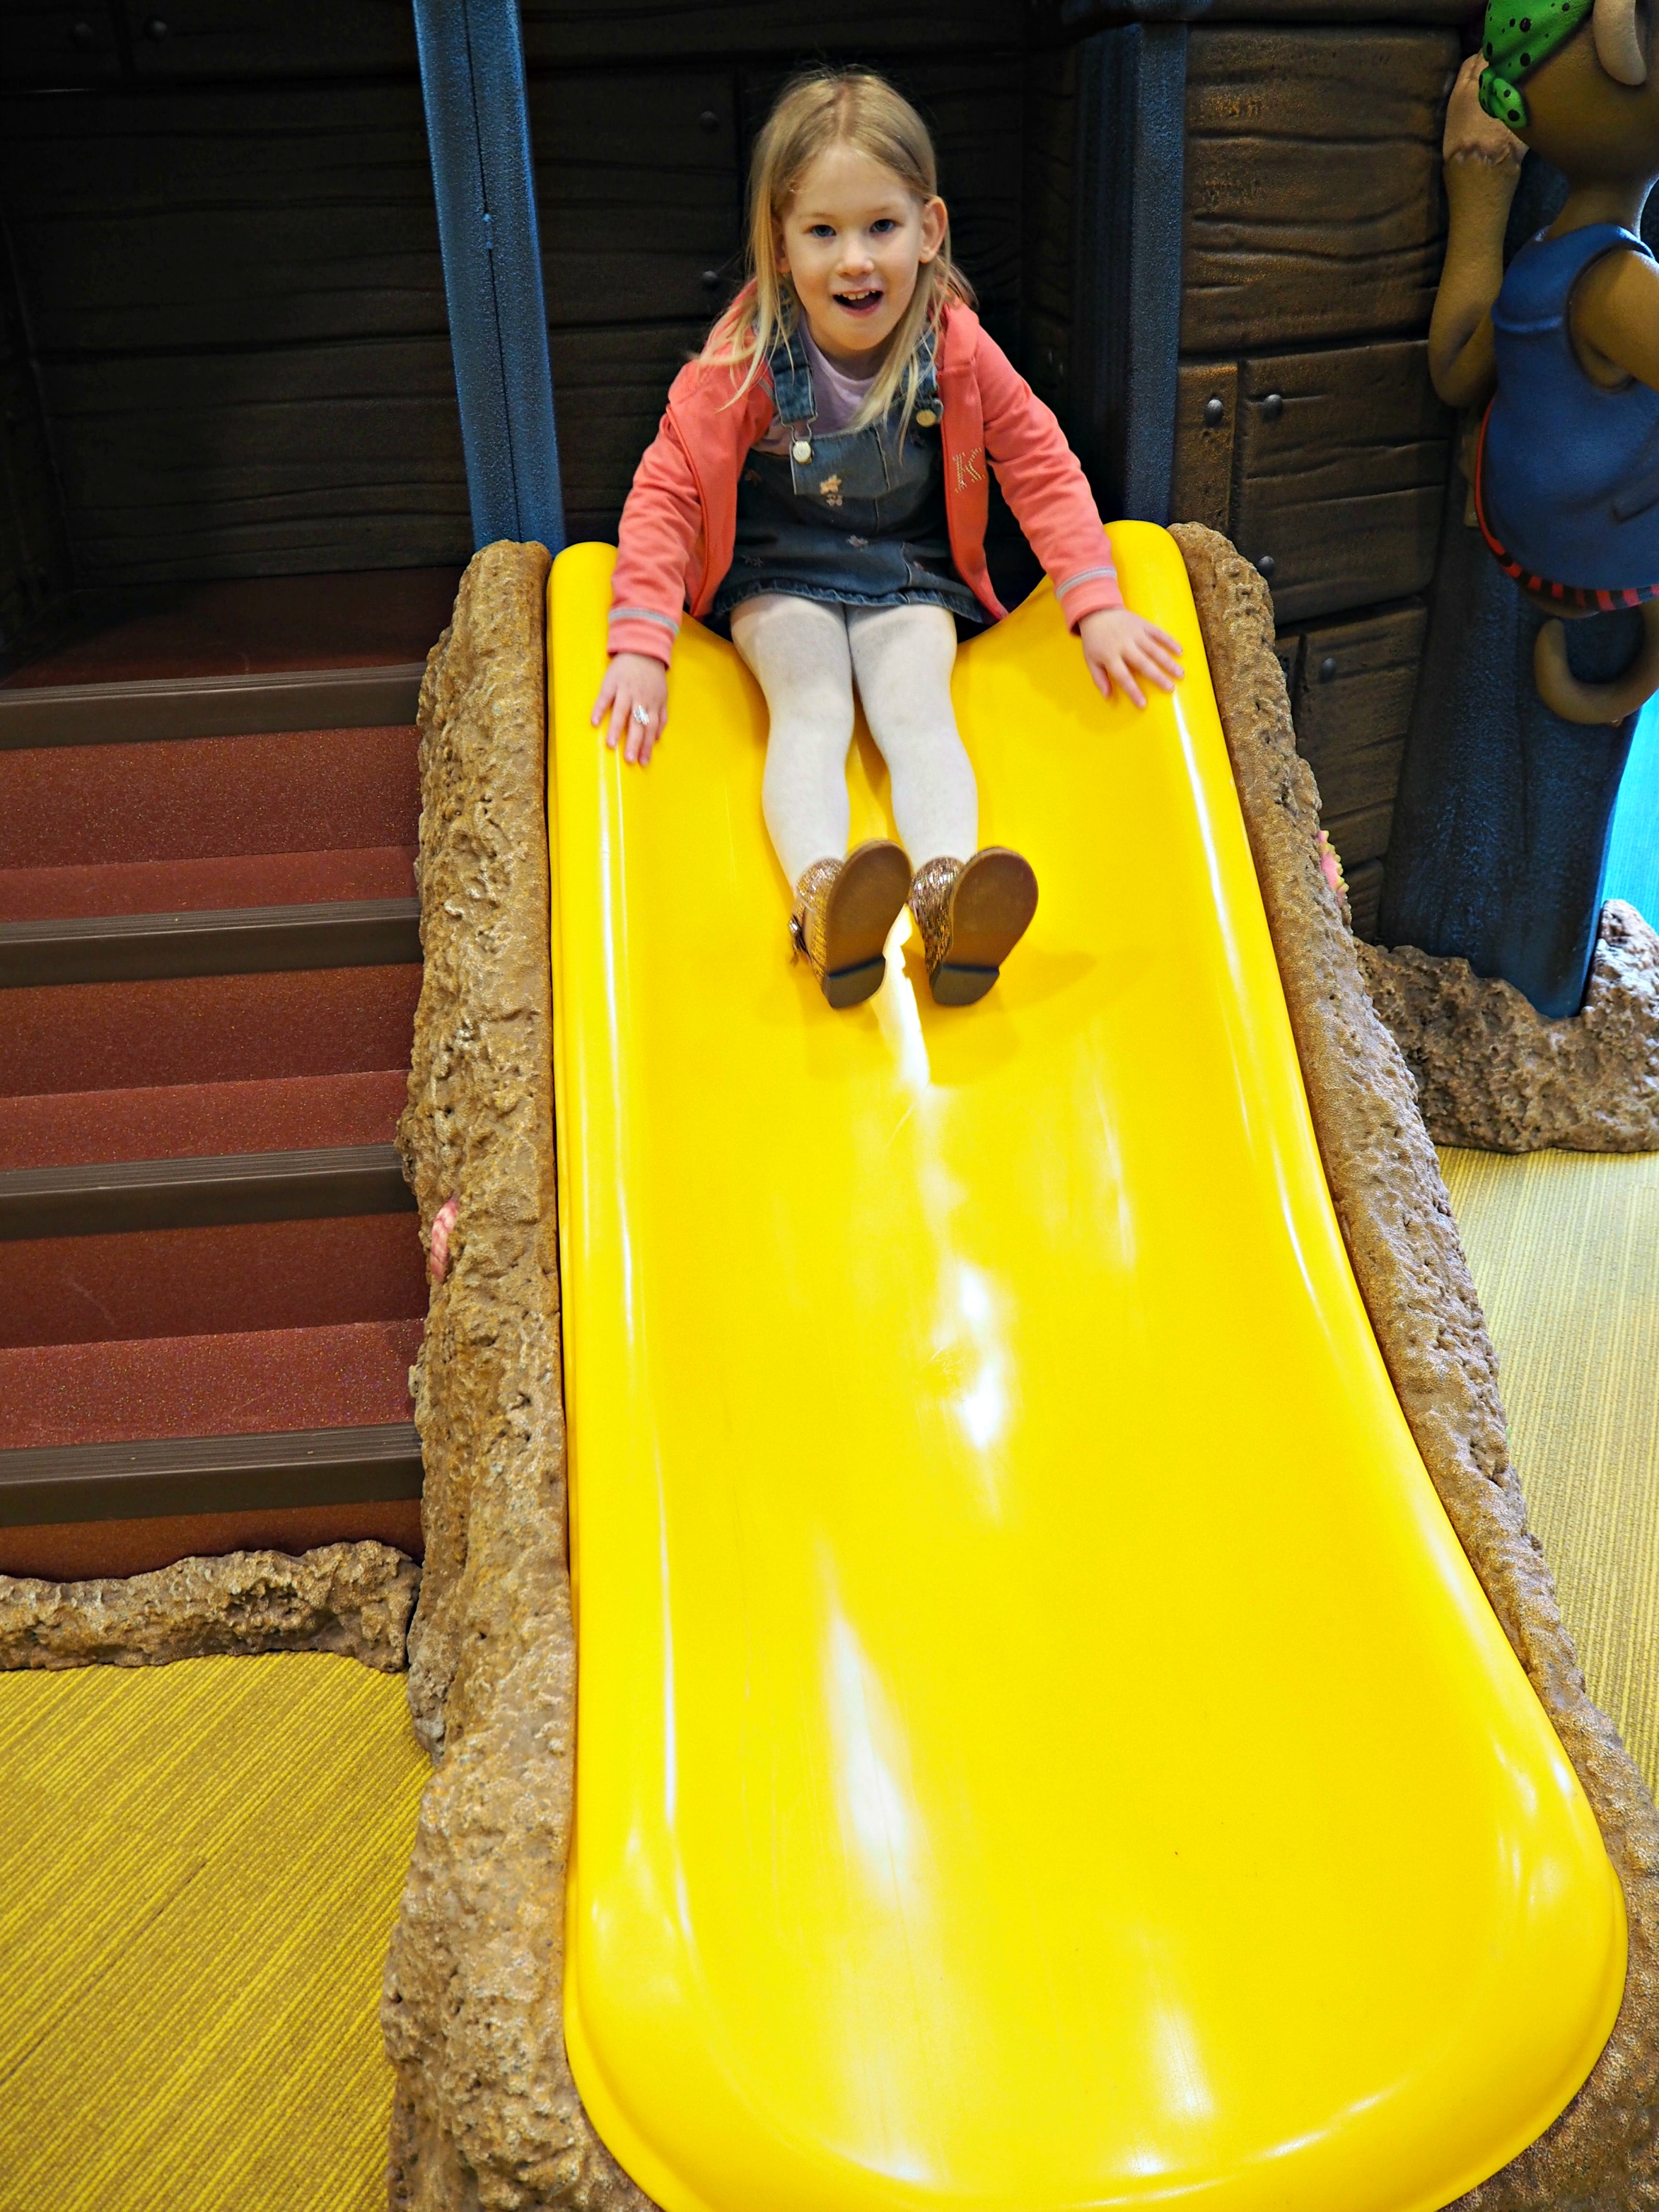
column 903, row 657
column 844, row 903
column 971, row 907
column 796, row 649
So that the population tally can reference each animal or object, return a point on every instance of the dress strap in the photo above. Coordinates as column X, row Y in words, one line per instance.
column 792, row 380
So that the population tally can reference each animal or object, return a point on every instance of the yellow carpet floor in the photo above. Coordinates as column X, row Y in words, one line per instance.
column 199, row 1868
column 1563, row 1247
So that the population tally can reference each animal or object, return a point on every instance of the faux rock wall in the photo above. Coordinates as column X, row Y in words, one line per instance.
column 1602, row 2155
column 486, row 2114
column 1493, row 1073
column 354, row 1599
column 487, row 2118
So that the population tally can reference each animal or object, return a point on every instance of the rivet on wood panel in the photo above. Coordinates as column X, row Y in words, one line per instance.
column 1328, row 668
column 709, row 119
column 1273, row 407
column 1215, row 412
column 1266, row 564
column 156, row 29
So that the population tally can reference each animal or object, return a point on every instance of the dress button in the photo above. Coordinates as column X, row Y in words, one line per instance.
column 802, row 449
column 926, row 416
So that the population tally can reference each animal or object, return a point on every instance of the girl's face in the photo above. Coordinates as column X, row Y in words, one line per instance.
column 851, row 241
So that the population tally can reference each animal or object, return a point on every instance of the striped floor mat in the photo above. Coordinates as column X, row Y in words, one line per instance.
column 199, row 1868
column 1565, row 1251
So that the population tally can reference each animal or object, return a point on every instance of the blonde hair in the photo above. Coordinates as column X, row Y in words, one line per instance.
column 823, row 109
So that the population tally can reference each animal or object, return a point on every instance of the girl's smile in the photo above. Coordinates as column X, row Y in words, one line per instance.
column 851, row 243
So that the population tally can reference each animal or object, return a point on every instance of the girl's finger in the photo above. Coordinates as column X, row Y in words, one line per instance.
column 1126, row 683
column 618, row 722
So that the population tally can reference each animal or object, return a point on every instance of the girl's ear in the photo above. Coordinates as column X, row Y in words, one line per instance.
column 933, row 221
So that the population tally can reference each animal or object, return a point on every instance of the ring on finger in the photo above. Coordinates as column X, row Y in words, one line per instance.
column 641, row 715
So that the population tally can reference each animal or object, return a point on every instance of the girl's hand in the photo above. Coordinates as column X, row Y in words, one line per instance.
column 1119, row 646
column 633, row 681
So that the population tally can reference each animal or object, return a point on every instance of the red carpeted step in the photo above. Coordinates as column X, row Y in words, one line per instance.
column 192, row 1120
column 372, row 872
column 253, row 623
column 205, row 798
column 207, row 1029
column 192, row 1282
column 247, row 1384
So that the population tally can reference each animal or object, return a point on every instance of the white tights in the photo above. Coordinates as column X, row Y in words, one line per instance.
column 806, row 654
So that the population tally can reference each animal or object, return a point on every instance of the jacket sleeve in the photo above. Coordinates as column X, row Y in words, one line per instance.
column 656, row 545
column 1044, row 484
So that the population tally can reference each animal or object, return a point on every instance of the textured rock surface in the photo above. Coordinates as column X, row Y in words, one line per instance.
column 486, row 2114
column 1603, row 2153
column 354, row 1599
column 1492, row 1072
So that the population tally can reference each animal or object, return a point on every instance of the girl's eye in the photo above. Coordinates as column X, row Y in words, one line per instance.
column 883, row 226
column 821, row 230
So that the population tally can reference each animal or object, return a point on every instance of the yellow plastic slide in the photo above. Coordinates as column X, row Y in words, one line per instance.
column 1040, row 1744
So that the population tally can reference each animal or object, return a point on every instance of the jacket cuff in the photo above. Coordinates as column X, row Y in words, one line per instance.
column 1091, row 591
column 641, row 629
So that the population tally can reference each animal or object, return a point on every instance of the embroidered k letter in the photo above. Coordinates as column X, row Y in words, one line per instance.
column 967, row 469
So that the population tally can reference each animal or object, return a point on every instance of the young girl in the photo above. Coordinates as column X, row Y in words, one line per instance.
column 819, row 482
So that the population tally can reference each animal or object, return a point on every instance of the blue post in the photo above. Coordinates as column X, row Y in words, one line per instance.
column 478, row 130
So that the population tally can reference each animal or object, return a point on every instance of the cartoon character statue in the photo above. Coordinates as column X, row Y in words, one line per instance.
column 1563, row 348
column 1533, row 669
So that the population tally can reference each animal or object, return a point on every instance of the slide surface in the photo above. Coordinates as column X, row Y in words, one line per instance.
column 1039, row 1743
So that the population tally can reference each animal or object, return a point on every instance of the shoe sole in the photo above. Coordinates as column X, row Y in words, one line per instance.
column 991, row 909
column 865, row 900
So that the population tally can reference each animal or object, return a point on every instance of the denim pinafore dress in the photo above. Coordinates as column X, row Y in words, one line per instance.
column 853, row 517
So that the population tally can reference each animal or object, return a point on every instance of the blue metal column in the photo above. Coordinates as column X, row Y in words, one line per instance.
column 1125, row 296
column 478, row 127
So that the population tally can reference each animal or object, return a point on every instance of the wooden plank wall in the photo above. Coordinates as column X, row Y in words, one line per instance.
column 1307, row 430
column 220, row 214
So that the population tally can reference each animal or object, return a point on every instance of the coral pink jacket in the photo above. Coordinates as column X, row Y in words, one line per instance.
column 679, row 524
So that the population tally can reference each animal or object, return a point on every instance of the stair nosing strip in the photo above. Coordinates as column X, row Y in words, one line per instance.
column 135, row 710
column 146, row 1479
column 180, row 922
column 226, row 1187
column 49, row 953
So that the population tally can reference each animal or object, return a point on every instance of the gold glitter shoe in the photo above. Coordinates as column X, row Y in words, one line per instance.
column 971, row 915
column 843, row 911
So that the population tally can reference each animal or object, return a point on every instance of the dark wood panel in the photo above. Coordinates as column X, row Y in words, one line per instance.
column 297, row 460
column 223, row 218
column 274, row 215
column 611, row 387
column 44, row 43
column 270, row 37
column 1313, row 200
column 975, row 109
column 1352, row 708
column 1057, row 21
column 637, row 193
column 1207, row 408
column 562, row 31
column 1050, row 183
column 1365, row 896
column 1341, row 474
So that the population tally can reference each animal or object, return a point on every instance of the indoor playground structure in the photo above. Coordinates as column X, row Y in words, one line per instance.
column 620, row 1590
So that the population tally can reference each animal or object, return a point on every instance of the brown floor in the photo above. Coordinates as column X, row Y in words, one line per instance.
column 261, row 625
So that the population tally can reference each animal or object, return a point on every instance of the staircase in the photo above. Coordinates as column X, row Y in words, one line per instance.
column 211, row 1287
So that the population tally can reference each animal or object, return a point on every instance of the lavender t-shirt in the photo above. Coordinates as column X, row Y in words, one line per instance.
column 837, row 395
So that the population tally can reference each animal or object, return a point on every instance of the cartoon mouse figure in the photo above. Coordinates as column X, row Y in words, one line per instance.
column 1563, row 349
